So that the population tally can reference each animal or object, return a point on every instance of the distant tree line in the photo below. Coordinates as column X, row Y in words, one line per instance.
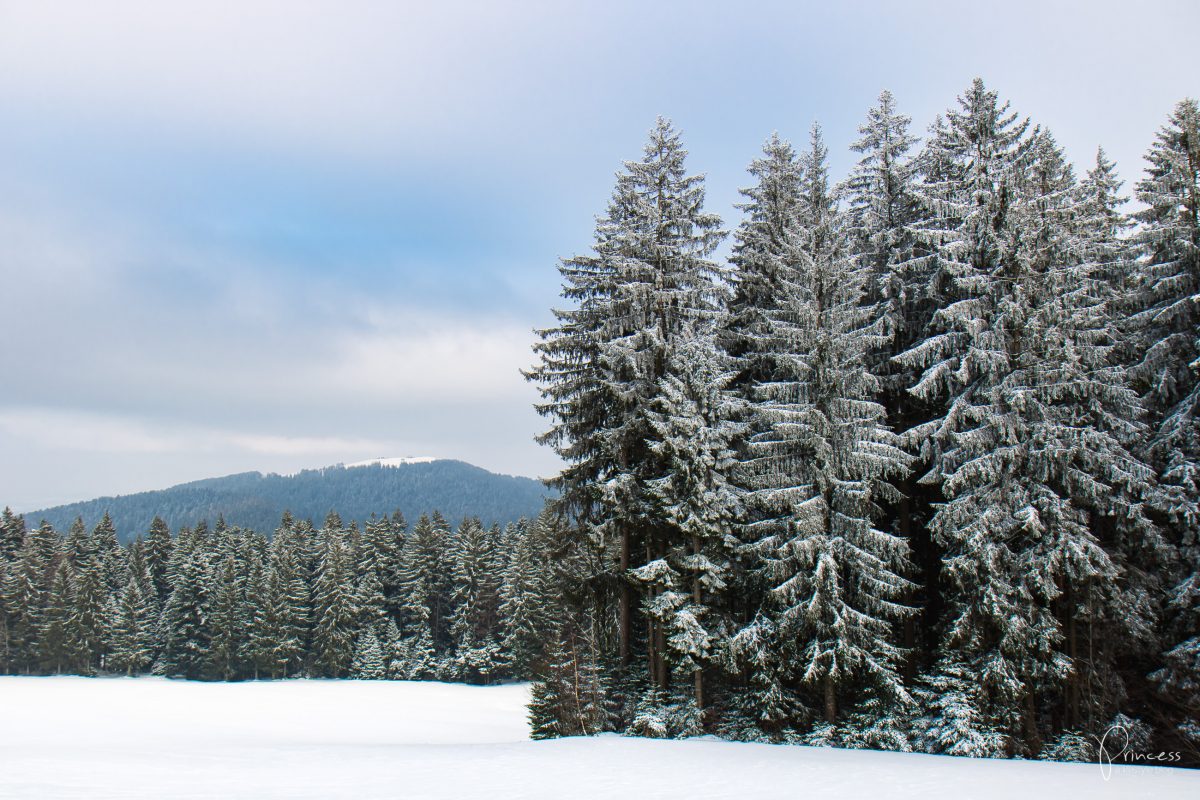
column 382, row 601
column 253, row 500
column 917, row 468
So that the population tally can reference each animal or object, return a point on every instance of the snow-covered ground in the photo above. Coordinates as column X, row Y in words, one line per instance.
column 154, row 738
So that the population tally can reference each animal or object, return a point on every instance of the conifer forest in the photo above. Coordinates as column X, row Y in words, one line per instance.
column 916, row 467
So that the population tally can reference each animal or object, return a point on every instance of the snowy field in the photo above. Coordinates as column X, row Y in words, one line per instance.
column 154, row 738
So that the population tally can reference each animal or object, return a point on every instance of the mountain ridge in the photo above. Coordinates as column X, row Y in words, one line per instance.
column 357, row 491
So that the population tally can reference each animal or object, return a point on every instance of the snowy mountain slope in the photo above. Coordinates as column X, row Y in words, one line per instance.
column 153, row 738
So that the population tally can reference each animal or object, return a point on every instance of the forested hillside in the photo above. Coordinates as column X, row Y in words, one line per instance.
column 256, row 501
column 916, row 468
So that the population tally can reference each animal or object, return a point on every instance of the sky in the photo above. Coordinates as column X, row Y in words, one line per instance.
column 274, row 235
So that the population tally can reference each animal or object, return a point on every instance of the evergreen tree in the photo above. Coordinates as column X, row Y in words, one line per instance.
column 335, row 612
column 882, row 212
column 1167, row 330
column 823, row 460
column 474, row 624
column 130, row 630
column 528, row 602
column 158, row 557
column 569, row 696
column 23, row 596
column 368, row 658
column 12, row 533
column 227, row 622
column 109, row 554
column 647, row 284
column 696, row 428
column 1028, row 446
column 426, row 581
column 57, row 650
column 89, row 603
column 185, row 626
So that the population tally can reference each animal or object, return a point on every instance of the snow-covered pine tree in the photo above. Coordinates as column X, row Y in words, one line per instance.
column 568, row 698
column 1102, row 229
column 184, row 624
column 278, row 610
column 158, row 556
column 88, row 611
column 528, row 601
column 56, row 646
column 368, row 661
column 79, row 544
column 697, row 425
column 761, row 265
column 956, row 724
column 371, row 604
column 108, row 552
column 474, row 625
column 821, row 456
column 12, row 533
column 335, row 611
column 129, row 630
column 427, row 585
column 382, row 542
column 1167, row 330
column 227, row 621
column 882, row 210
column 1028, row 444
column 648, row 281
column 23, row 595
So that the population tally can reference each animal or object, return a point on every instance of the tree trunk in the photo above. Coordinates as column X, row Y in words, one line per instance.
column 1073, row 654
column 904, row 528
column 1032, row 739
column 697, row 597
column 830, row 700
column 625, row 598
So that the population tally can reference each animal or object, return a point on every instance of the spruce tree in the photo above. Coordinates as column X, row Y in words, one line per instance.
column 158, row 557
column 57, row 648
column 426, row 581
column 130, row 630
column 474, row 625
column 1167, row 330
column 90, row 598
column 23, row 595
column 227, row 622
column 528, row 601
column 12, row 533
column 822, row 460
column 335, row 611
column 368, row 658
column 696, row 425
column 648, row 282
column 186, row 632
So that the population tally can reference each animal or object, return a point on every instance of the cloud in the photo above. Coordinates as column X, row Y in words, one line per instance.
column 128, row 347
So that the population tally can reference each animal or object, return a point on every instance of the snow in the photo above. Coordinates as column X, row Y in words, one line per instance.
column 393, row 462
column 157, row 738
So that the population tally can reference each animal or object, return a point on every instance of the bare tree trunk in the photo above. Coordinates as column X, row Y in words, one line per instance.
column 697, row 597
column 625, row 598
column 830, row 700
column 1073, row 654
column 1032, row 738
